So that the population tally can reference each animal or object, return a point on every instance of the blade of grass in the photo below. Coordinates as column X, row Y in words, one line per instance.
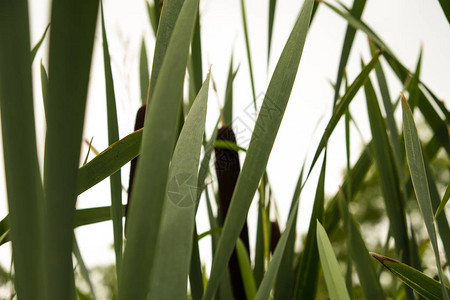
column 227, row 110
column 38, row 44
column 356, row 12
column 113, row 136
column 368, row 278
column 263, row 137
column 196, row 54
column 23, row 180
column 420, row 182
column 172, row 258
column 247, row 46
column 83, row 270
column 246, row 270
column 443, row 201
column 342, row 107
column 44, row 86
column 160, row 132
column 387, row 174
column 445, row 5
column 425, row 286
column 333, row 277
column 308, row 272
column 69, row 68
column 168, row 18
column 413, row 87
column 272, row 6
column 144, row 77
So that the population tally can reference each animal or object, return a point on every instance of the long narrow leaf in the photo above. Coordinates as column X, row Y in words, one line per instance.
column 160, row 129
column 263, row 137
column 420, row 182
column 171, row 268
column 23, row 180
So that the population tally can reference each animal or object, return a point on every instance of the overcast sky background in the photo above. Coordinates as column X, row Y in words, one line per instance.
column 404, row 25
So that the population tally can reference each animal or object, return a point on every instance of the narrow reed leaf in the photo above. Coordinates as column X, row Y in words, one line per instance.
column 44, row 86
column 144, row 77
column 367, row 275
column 272, row 6
column 425, row 286
column 228, row 145
column 333, row 277
column 196, row 55
column 195, row 269
column 23, row 180
column 83, row 270
column 308, row 271
column 172, row 258
column 387, row 174
column 443, row 201
column 159, row 136
column 420, row 182
column 113, row 136
column 445, row 5
column 246, row 271
column 263, row 137
column 356, row 12
column 69, row 69
column 343, row 105
column 413, row 87
column 285, row 279
column 249, row 53
column 227, row 110
column 109, row 161
column 38, row 44
column 152, row 15
column 168, row 18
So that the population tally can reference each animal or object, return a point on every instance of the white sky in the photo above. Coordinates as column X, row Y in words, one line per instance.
column 404, row 25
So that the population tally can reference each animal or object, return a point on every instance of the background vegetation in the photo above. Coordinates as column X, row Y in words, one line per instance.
column 400, row 180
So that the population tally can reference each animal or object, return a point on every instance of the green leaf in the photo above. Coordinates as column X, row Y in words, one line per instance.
column 44, row 86
column 272, row 5
column 445, row 5
column 83, row 270
column 172, row 258
column 23, row 180
column 420, row 182
column 144, row 77
column 333, row 277
column 422, row 284
column 308, row 271
column 263, row 137
column 228, row 103
column 356, row 11
column 342, row 107
column 113, row 136
column 69, row 70
column 387, row 174
column 443, row 202
column 39, row 43
column 249, row 54
column 246, row 270
column 158, row 140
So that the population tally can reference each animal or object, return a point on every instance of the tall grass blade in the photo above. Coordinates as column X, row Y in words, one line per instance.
column 83, row 270
column 227, row 111
column 44, row 86
column 263, row 137
column 308, row 272
column 443, row 201
column 342, row 107
column 172, row 258
column 445, row 5
column 144, row 77
column 272, row 6
column 368, row 278
column 387, row 174
column 246, row 270
column 356, row 12
column 333, row 277
column 160, row 132
column 425, row 286
column 196, row 55
column 413, row 87
column 23, row 180
column 38, row 44
column 113, row 136
column 249, row 53
column 168, row 18
column 69, row 68
column 420, row 182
